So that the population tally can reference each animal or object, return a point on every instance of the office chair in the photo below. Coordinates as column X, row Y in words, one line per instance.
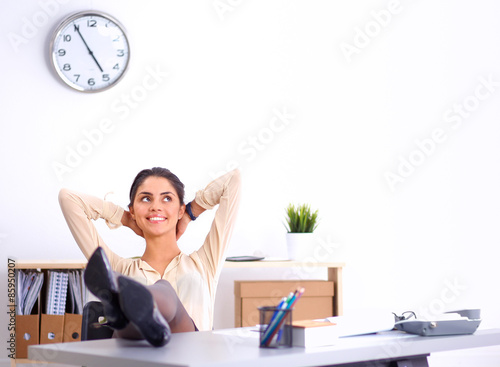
column 91, row 330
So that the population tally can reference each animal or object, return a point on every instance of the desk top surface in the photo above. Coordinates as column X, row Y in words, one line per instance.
column 240, row 347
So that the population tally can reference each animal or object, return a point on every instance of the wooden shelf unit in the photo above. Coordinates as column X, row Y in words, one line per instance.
column 51, row 264
column 44, row 265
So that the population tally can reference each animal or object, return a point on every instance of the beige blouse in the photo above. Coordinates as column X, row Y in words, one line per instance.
column 194, row 276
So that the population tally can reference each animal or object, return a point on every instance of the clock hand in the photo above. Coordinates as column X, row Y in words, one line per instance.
column 77, row 28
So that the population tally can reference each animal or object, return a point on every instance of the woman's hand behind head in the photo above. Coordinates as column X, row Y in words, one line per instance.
column 130, row 222
column 182, row 225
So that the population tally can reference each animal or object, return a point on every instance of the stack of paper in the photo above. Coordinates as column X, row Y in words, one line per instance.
column 366, row 322
column 28, row 284
column 76, row 293
column 65, row 291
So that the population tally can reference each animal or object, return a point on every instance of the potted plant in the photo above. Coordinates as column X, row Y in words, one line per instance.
column 301, row 222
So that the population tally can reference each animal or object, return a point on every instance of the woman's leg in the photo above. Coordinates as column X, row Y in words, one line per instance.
column 170, row 307
column 137, row 301
column 138, row 306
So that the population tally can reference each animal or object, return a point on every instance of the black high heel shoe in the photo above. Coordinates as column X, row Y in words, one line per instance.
column 139, row 307
column 101, row 282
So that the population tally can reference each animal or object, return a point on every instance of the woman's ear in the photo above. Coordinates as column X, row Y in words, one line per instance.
column 182, row 209
column 131, row 210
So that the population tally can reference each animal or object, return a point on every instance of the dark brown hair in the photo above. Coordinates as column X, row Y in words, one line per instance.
column 157, row 172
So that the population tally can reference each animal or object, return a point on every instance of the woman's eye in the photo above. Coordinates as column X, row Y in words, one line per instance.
column 145, row 199
column 167, row 198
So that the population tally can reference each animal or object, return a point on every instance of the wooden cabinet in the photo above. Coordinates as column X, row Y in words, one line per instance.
column 38, row 327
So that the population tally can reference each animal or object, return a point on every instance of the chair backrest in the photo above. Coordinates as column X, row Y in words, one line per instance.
column 91, row 329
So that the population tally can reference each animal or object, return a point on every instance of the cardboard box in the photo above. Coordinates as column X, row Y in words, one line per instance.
column 316, row 302
column 27, row 329
column 312, row 333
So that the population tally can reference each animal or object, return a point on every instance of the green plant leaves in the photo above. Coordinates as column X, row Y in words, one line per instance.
column 300, row 219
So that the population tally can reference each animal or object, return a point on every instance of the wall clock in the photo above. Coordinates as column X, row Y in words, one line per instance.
column 90, row 51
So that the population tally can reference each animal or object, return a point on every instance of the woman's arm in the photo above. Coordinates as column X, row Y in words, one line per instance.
column 225, row 192
column 80, row 210
column 182, row 224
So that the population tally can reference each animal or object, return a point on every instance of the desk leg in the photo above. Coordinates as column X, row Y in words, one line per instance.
column 335, row 274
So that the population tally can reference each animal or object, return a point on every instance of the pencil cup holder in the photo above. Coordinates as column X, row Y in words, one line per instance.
column 275, row 327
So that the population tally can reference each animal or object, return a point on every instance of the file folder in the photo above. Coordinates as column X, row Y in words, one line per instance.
column 51, row 329
column 27, row 328
column 72, row 328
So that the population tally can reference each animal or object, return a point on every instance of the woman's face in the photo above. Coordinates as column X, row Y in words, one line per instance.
column 156, row 207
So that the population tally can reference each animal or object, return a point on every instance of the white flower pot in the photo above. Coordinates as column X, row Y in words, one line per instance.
column 299, row 245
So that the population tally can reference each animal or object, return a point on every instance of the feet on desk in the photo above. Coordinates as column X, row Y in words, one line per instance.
column 101, row 281
column 125, row 300
column 139, row 307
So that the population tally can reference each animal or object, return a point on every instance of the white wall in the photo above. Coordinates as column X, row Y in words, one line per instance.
column 416, row 101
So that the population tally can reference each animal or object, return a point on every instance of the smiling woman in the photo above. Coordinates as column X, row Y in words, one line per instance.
column 181, row 287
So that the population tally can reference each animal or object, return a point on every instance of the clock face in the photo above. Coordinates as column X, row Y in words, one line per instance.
column 90, row 51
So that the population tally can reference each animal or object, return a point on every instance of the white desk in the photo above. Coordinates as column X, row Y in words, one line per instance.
column 239, row 347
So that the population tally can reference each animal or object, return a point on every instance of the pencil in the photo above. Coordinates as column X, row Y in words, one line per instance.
column 276, row 325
